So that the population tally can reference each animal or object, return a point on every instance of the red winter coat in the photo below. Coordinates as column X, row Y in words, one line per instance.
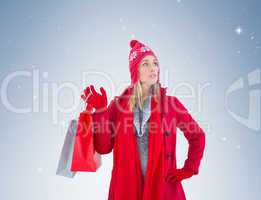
column 174, row 115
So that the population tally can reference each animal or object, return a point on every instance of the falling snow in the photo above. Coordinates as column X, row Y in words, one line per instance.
column 238, row 30
column 123, row 28
column 39, row 169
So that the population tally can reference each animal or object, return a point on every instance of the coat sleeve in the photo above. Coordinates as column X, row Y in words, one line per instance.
column 103, row 127
column 194, row 135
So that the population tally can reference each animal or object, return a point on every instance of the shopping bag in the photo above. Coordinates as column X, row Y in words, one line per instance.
column 65, row 161
column 85, row 158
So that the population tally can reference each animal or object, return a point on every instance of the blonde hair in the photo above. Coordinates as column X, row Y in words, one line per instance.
column 136, row 96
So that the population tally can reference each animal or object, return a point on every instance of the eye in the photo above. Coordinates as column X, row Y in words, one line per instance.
column 145, row 64
column 156, row 63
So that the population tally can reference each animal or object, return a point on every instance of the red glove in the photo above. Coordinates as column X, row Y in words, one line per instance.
column 177, row 175
column 84, row 97
column 94, row 99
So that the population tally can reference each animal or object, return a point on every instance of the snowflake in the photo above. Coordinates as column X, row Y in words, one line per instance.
column 132, row 35
column 123, row 28
column 238, row 30
column 39, row 169
column 133, row 55
column 144, row 49
column 45, row 74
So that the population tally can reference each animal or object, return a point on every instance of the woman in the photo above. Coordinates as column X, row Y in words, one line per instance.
column 140, row 127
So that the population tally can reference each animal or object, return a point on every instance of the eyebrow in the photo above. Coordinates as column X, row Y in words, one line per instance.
column 148, row 60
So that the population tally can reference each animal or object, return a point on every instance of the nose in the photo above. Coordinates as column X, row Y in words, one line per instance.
column 153, row 69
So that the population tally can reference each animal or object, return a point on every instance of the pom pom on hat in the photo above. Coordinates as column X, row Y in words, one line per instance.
column 133, row 43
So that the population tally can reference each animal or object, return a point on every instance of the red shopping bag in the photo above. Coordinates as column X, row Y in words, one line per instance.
column 85, row 158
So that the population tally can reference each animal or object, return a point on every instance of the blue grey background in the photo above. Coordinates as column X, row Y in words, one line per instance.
column 65, row 45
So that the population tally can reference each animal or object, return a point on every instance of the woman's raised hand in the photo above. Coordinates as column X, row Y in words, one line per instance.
column 94, row 99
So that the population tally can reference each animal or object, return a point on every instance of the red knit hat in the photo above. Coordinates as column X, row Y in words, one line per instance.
column 137, row 53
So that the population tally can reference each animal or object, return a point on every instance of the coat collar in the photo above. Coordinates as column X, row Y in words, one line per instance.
column 124, row 97
column 128, row 91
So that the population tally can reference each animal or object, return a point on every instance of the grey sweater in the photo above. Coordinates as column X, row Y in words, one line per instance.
column 142, row 132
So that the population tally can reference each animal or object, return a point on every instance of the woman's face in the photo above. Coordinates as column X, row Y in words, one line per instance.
column 148, row 70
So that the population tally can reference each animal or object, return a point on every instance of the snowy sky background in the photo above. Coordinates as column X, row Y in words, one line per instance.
column 50, row 49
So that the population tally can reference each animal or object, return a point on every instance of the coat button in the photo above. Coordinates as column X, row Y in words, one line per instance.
column 169, row 156
column 167, row 133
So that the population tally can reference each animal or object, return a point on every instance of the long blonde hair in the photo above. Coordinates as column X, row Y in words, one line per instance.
column 136, row 96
